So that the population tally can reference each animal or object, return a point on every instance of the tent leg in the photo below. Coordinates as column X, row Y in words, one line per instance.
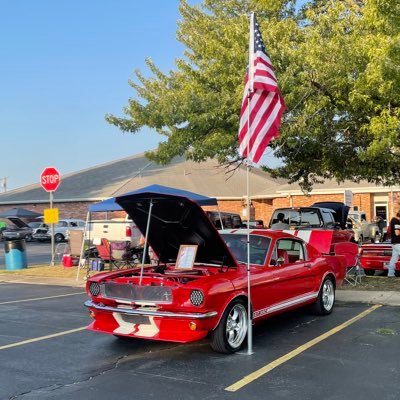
column 82, row 260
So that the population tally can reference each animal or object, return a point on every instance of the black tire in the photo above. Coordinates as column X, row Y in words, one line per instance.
column 58, row 238
column 231, row 332
column 28, row 238
column 397, row 274
column 369, row 272
column 326, row 298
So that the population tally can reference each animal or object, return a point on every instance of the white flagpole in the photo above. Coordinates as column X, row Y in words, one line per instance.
column 250, row 80
column 145, row 241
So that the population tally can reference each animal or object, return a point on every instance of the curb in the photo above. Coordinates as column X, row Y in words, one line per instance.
column 390, row 298
column 42, row 280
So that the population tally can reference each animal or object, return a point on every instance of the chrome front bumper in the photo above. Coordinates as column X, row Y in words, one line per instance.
column 150, row 313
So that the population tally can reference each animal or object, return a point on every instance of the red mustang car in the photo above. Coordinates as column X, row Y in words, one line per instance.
column 199, row 287
column 376, row 257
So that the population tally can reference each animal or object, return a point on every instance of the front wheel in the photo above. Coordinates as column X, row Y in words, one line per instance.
column 369, row 272
column 58, row 238
column 326, row 298
column 230, row 334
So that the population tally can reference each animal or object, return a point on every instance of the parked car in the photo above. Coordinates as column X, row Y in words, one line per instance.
column 19, row 230
column 376, row 257
column 256, row 223
column 117, row 229
column 3, row 226
column 203, row 291
column 315, row 218
column 60, row 230
column 363, row 230
column 228, row 220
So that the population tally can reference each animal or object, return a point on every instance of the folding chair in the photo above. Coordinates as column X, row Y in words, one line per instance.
column 59, row 251
column 117, row 254
column 351, row 253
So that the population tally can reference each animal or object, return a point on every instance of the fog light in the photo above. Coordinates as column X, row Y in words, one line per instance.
column 196, row 297
column 94, row 288
column 192, row 326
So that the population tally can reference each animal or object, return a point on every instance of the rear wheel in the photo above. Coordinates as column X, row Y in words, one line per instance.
column 230, row 334
column 369, row 272
column 326, row 298
column 28, row 238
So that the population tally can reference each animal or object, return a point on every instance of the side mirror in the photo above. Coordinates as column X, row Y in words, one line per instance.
column 280, row 261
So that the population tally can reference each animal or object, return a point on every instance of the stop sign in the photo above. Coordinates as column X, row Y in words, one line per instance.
column 50, row 179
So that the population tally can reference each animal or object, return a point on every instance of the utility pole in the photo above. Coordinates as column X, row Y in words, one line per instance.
column 4, row 184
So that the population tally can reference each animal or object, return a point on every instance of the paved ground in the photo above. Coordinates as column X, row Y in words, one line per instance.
column 46, row 354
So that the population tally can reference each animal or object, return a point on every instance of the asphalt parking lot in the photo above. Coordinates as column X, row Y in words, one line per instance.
column 46, row 353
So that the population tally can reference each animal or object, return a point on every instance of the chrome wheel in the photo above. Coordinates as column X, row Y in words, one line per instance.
column 236, row 326
column 328, row 295
column 231, row 332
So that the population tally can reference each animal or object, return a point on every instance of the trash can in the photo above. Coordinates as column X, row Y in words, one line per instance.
column 15, row 254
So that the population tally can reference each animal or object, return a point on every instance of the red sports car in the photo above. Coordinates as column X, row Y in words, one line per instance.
column 376, row 257
column 200, row 286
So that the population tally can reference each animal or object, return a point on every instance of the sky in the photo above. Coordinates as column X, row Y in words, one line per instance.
column 63, row 66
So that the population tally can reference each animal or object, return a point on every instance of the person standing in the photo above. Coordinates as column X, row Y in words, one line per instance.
column 280, row 224
column 395, row 239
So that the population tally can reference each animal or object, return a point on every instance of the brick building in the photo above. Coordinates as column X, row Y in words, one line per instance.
column 78, row 190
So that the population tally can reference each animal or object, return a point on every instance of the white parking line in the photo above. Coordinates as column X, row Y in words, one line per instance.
column 41, row 298
column 7, row 346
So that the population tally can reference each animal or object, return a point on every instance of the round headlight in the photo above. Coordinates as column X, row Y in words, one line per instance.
column 196, row 297
column 94, row 289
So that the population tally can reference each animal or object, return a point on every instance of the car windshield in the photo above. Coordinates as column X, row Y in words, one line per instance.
column 259, row 246
column 300, row 218
column 34, row 224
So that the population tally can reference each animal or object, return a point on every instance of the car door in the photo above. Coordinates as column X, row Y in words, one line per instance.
column 293, row 274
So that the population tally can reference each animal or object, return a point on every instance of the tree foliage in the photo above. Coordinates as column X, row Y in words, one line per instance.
column 337, row 63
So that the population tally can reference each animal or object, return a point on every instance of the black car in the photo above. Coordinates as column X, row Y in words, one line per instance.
column 20, row 230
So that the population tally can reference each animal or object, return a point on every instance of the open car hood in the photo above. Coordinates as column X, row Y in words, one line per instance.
column 18, row 222
column 176, row 221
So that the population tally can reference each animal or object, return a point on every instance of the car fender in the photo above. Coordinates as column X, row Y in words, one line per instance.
column 229, row 299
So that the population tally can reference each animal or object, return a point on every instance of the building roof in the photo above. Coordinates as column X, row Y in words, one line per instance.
column 134, row 172
column 206, row 178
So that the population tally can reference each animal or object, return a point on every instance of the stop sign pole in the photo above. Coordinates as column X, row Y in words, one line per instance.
column 50, row 180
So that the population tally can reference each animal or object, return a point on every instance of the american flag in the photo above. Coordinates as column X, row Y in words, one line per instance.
column 266, row 102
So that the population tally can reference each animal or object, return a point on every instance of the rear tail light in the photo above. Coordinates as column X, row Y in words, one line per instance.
column 128, row 231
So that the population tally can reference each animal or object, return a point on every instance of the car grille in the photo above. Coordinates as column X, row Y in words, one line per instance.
column 135, row 293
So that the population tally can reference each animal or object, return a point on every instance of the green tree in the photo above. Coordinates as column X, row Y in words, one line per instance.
column 337, row 64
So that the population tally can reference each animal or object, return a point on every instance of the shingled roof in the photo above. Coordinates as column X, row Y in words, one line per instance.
column 134, row 172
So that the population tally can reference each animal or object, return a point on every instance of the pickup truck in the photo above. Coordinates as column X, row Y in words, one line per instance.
column 363, row 230
column 316, row 218
column 118, row 229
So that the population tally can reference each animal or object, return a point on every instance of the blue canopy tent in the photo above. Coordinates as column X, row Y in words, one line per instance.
column 111, row 205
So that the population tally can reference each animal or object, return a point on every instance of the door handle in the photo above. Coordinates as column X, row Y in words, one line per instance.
column 307, row 265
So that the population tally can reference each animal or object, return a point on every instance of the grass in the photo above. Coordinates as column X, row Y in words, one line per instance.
column 57, row 271
column 379, row 283
column 386, row 332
